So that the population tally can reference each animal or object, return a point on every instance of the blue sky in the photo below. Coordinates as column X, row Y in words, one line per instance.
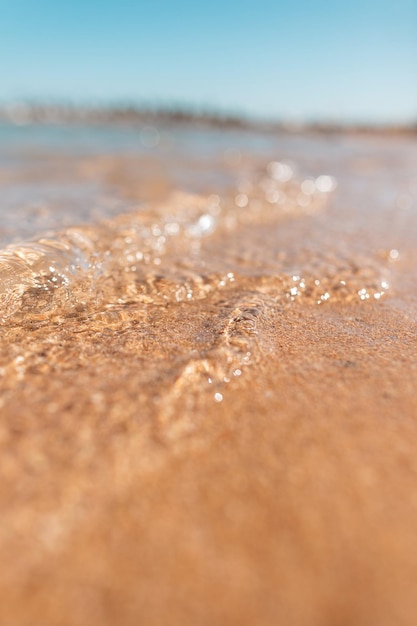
column 296, row 60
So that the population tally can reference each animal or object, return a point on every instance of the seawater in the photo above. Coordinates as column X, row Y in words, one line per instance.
column 80, row 204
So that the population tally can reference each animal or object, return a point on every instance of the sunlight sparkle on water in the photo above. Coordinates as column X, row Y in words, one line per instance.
column 325, row 183
column 281, row 171
column 241, row 200
column 308, row 186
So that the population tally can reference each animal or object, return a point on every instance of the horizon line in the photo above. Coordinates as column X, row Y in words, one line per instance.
column 27, row 111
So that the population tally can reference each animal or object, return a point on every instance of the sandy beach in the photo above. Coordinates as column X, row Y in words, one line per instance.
column 208, row 372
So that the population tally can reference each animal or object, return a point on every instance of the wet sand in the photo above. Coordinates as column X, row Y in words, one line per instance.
column 208, row 409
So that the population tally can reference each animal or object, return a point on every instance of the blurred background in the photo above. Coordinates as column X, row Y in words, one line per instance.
column 300, row 61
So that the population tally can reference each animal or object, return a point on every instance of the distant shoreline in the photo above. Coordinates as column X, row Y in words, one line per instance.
column 21, row 114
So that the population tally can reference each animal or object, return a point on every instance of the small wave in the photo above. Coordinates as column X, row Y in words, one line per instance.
column 181, row 250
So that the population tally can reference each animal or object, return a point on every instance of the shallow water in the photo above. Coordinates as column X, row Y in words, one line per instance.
column 332, row 209
column 207, row 376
